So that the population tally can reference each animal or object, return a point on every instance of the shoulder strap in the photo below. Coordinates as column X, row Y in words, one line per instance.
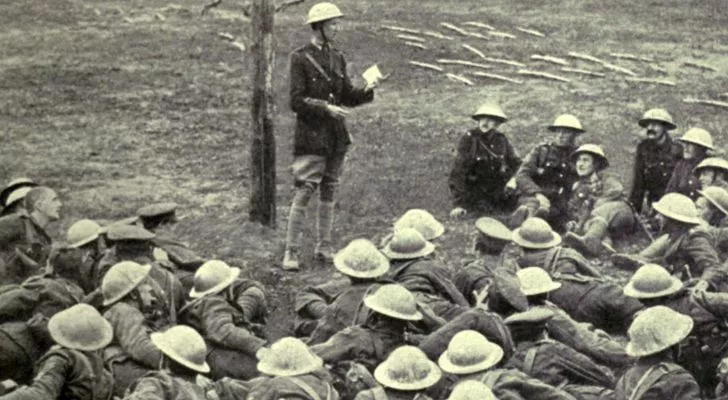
column 378, row 393
column 316, row 65
column 649, row 378
column 529, row 360
column 360, row 307
column 490, row 378
column 551, row 258
column 308, row 389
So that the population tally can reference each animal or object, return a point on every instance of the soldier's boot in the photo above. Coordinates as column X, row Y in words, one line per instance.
column 517, row 217
column 324, row 225
column 591, row 242
column 296, row 218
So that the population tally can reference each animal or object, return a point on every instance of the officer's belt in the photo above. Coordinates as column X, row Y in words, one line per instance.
column 318, row 66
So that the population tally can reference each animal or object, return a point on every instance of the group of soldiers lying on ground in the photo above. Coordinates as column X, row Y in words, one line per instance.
column 127, row 311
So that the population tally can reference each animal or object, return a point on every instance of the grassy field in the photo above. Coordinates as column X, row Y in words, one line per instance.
column 164, row 101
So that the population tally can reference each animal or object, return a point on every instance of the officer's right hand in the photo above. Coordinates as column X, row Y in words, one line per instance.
column 458, row 212
column 336, row 111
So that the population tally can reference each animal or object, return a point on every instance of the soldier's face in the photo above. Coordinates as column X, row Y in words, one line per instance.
column 565, row 137
column 706, row 177
column 654, row 130
column 330, row 28
column 50, row 206
column 690, row 151
column 584, row 164
column 146, row 295
column 486, row 124
column 704, row 208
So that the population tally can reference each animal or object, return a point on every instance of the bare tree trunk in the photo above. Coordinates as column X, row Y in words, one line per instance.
column 263, row 149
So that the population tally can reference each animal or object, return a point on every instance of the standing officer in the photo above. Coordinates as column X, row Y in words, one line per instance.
column 544, row 179
column 484, row 163
column 656, row 157
column 320, row 89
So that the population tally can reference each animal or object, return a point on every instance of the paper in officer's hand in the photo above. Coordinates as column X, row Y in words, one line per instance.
column 372, row 74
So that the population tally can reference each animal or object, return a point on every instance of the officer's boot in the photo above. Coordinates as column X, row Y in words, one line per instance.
column 324, row 225
column 591, row 242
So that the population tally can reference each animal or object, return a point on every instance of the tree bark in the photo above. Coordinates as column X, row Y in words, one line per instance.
column 263, row 148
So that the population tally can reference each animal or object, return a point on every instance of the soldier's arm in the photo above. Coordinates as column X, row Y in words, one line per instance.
column 637, row 194
column 581, row 367
column 513, row 161
column 252, row 301
column 457, row 180
column 47, row 383
column 300, row 104
column 705, row 257
column 525, row 387
column 352, row 96
column 312, row 301
column 679, row 385
column 132, row 335
column 17, row 304
column 612, row 190
column 672, row 184
column 217, row 319
column 346, row 345
column 528, row 169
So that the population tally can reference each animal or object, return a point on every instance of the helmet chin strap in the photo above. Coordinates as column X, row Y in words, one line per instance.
column 325, row 38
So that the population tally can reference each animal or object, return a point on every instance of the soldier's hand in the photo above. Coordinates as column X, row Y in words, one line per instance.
column 700, row 286
column 571, row 226
column 336, row 111
column 543, row 201
column 458, row 212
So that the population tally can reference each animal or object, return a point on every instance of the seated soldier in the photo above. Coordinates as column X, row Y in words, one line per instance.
column 537, row 286
column 418, row 219
column 713, row 208
column 471, row 357
column 653, row 339
column 11, row 187
column 704, row 347
column 684, row 246
column 713, row 171
column 414, row 266
column 291, row 370
column 134, row 243
column 229, row 312
column 545, row 177
column 179, row 376
column 134, row 311
column 74, row 367
column 471, row 390
column 553, row 362
column 485, row 162
column 597, row 209
column 86, row 236
column 696, row 143
column 24, row 242
column 406, row 374
column 584, row 294
column 363, row 264
column 160, row 219
column 26, row 308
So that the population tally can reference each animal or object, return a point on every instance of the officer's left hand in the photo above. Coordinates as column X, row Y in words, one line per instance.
column 375, row 84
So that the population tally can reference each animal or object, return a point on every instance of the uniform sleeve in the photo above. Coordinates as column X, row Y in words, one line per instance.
column 636, row 196
column 48, row 382
column 217, row 320
column 311, row 302
column 715, row 302
column 11, row 230
column 582, row 368
column 300, row 104
column 704, row 256
column 148, row 388
column 612, row 190
column 252, row 301
column 523, row 386
column 457, row 180
column 674, row 182
column 352, row 96
column 348, row 344
column 679, row 385
column 525, row 174
column 132, row 335
column 17, row 304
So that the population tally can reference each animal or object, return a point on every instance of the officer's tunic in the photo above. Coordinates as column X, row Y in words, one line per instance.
column 653, row 167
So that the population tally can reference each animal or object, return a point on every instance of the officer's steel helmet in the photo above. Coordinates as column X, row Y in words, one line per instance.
column 698, row 136
column 121, row 279
column 656, row 329
column 323, row 12
column 567, row 121
column 83, row 232
column 490, row 110
column 658, row 115
column 183, row 345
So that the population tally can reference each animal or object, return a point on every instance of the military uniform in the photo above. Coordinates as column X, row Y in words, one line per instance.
column 229, row 322
column 67, row 374
column 311, row 303
column 381, row 393
column 24, row 248
column 429, row 281
column 24, row 314
column 312, row 386
column 512, row 384
column 164, row 386
column 599, row 198
column 584, row 296
column 364, row 344
column 484, row 163
column 647, row 380
column 652, row 170
column 547, row 170
column 683, row 179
